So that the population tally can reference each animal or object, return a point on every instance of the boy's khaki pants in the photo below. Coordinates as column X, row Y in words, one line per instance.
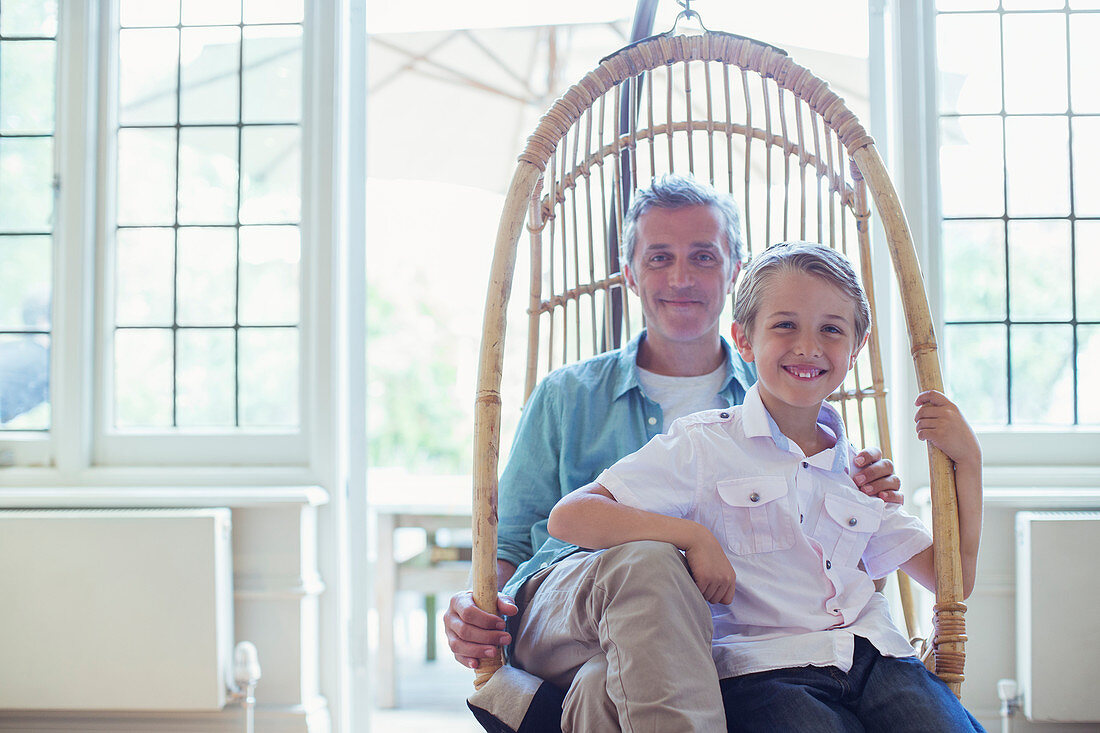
column 627, row 634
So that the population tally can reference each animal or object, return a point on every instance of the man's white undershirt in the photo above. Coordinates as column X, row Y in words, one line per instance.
column 679, row 396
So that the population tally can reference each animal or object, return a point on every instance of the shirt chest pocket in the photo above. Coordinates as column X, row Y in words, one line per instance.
column 756, row 515
column 845, row 529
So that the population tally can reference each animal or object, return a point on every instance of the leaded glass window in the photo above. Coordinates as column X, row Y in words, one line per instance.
column 1019, row 116
column 207, row 245
column 28, row 103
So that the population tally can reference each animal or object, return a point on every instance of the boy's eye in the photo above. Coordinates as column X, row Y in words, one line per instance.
column 784, row 324
column 831, row 329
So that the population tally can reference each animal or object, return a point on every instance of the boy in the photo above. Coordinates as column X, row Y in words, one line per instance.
column 762, row 493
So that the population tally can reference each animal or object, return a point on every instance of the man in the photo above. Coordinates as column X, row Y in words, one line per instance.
column 624, row 631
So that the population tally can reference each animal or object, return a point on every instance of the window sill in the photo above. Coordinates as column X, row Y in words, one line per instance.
column 160, row 497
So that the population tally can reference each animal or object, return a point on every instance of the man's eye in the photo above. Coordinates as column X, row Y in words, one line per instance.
column 784, row 324
column 832, row 329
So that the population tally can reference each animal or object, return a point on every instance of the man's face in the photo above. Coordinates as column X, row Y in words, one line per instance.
column 682, row 272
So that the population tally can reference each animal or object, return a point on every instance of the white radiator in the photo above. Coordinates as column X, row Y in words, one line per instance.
column 1057, row 623
column 115, row 609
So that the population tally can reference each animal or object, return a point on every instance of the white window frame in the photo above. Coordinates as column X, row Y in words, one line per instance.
column 1012, row 456
column 81, row 447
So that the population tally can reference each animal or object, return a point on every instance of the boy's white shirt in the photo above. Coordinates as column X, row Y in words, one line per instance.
column 794, row 529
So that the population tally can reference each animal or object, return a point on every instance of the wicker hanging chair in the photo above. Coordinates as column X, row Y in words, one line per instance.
column 745, row 117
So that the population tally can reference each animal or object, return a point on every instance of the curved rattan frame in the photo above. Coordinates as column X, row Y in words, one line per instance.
column 523, row 194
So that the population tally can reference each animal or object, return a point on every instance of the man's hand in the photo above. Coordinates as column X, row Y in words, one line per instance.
column 472, row 634
column 875, row 476
column 710, row 568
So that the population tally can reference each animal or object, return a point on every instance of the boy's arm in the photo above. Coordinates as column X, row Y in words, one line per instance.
column 940, row 423
column 591, row 517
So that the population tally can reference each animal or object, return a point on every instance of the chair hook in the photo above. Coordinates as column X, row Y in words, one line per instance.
column 687, row 14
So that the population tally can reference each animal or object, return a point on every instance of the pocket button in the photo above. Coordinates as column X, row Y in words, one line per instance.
column 828, row 565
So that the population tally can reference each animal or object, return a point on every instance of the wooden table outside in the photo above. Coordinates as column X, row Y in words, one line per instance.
column 439, row 569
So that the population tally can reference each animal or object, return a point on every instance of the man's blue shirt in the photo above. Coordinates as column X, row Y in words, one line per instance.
column 579, row 420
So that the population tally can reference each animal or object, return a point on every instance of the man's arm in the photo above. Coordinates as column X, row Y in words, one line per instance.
column 527, row 491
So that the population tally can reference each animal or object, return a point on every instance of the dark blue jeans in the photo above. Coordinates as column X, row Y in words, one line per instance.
column 878, row 694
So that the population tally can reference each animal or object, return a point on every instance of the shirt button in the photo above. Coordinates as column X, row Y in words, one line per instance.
column 805, row 464
column 828, row 565
column 852, row 522
column 652, row 421
column 754, row 497
column 724, row 415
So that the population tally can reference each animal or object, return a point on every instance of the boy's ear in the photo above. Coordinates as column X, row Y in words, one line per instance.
column 741, row 341
column 857, row 349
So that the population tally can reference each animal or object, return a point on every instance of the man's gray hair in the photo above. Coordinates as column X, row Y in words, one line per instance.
column 672, row 191
column 806, row 257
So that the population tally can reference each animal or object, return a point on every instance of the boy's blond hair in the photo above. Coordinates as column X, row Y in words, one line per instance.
column 807, row 257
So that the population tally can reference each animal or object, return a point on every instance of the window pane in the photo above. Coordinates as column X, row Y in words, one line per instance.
column 272, row 86
column 1084, row 29
column 268, row 376
column 29, row 18
column 969, row 57
column 1038, row 166
column 27, row 88
column 1039, row 262
column 148, row 12
column 976, row 372
column 146, row 177
column 206, row 277
column 211, row 12
column 1042, row 375
column 1033, row 4
column 208, row 75
column 25, row 272
column 1088, row 265
column 24, row 382
column 208, row 175
column 1088, row 355
column 269, row 276
column 1030, row 85
column 1086, row 165
column 974, row 270
column 26, row 184
column 1084, row 4
column 143, row 378
column 147, row 73
column 270, row 175
column 204, row 377
column 144, row 263
column 972, row 166
column 273, row 11
column 950, row 5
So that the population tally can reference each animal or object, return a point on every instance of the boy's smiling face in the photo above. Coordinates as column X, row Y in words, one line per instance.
column 803, row 341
